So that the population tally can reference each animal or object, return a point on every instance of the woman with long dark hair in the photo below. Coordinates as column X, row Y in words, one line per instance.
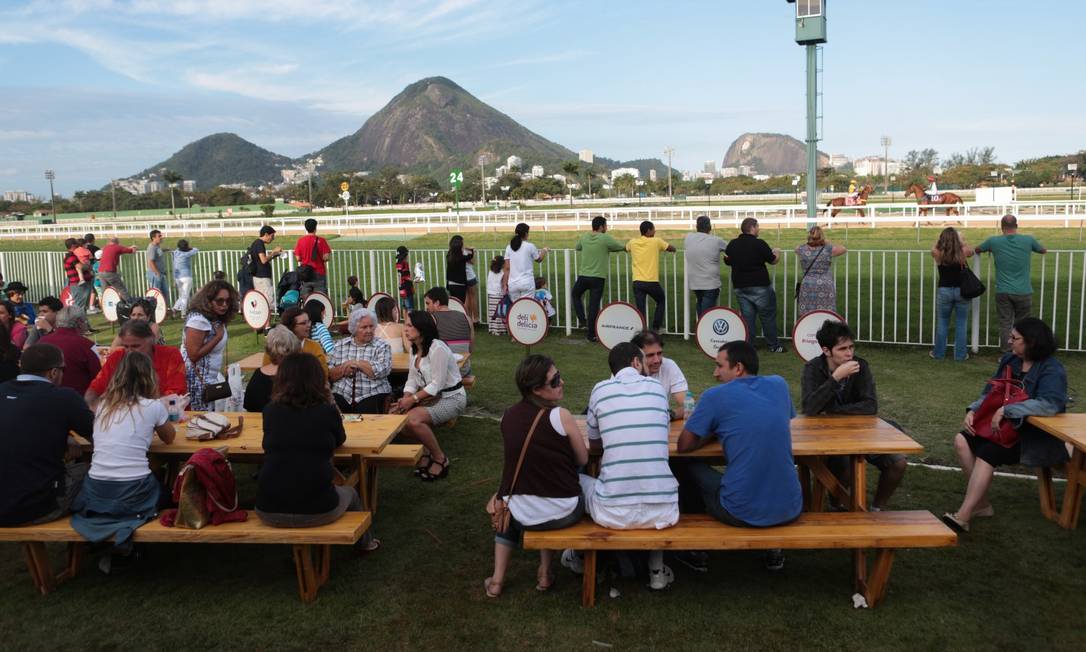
column 518, row 279
column 1031, row 361
column 951, row 254
column 433, row 395
column 318, row 332
column 203, row 340
column 456, row 273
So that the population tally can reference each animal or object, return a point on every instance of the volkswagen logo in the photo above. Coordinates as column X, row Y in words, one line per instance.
column 720, row 327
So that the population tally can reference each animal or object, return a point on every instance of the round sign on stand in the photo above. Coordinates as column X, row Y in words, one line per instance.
column 457, row 306
column 111, row 298
column 329, row 311
column 804, row 339
column 66, row 297
column 371, row 303
column 527, row 321
column 618, row 322
column 718, row 326
column 256, row 309
column 160, row 303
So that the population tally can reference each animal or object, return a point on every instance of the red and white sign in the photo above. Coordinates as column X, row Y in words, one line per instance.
column 804, row 339
column 719, row 326
column 371, row 303
column 329, row 312
column 256, row 309
column 618, row 322
column 110, row 300
column 66, row 296
column 160, row 303
column 527, row 321
column 457, row 306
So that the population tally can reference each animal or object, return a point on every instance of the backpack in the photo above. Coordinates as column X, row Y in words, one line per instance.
column 205, row 492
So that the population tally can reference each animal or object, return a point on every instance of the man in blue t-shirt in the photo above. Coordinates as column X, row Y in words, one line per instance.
column 1014, row 291
column 751, row 416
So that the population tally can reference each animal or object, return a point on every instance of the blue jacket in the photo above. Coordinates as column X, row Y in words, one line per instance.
column 106, row 508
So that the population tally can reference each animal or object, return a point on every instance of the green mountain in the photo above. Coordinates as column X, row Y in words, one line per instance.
column 434, row 125
column 223, row 158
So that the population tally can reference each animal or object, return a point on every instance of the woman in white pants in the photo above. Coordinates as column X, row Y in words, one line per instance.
column 182, row 274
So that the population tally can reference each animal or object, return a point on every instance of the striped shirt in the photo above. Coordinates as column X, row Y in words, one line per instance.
column 629, row 413
column 319, row 333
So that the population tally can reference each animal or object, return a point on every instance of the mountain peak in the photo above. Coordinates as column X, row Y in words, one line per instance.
column 223, row 158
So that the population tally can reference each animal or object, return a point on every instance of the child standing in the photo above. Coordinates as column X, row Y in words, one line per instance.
column 494, row 296
column 407, row 287
column 544, row 296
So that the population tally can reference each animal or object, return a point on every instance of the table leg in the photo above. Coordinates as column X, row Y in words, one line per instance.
column 858, row 503
column 362, row 487
column 825, row 480
column 588, row 586
column 805, row 485
column 1048, row 497
column 1072, row 496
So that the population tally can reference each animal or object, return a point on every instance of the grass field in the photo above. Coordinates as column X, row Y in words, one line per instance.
column 1018, row 581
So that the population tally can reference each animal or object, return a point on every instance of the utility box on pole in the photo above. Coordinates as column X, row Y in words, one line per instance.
column 810, row 21
column 810, row 32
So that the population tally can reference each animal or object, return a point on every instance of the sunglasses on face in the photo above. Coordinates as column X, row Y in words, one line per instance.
column 222, row 301
column 555, row 382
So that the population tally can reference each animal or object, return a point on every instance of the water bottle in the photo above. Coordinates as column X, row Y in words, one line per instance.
column 174, row 410
column 688, row 404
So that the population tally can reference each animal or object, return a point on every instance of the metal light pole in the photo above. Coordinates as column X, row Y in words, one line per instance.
column 641, row 183
column 50, row 175
column 173, row 209
column 113, row 193
column 885, row 142
column 482, row 177
column 810, row 31
column 708, row 197
column 669, row 150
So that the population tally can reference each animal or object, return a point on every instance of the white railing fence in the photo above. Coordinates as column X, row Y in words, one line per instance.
column 887, row 296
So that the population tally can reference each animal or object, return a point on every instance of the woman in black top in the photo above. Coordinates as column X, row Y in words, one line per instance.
column 456, row 270
column 950, row 254
column 302, row 429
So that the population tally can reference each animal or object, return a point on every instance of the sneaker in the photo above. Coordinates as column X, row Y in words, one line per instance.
column 774, row 560
column 93, row 311
column 661, row 579
column 573, row 561
column 695, row 560
column 776, row 349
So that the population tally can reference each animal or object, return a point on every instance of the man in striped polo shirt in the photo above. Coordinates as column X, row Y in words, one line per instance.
column 628, row 420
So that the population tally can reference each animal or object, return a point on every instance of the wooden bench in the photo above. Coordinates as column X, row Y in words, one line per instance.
column 311, row 545
column 883, row 531
column 393, row 455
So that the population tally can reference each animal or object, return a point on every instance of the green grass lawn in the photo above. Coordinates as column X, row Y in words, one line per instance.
column 1017, row 581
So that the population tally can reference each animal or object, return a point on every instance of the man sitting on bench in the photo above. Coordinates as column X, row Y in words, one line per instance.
column 750, row 415
column 840, row 382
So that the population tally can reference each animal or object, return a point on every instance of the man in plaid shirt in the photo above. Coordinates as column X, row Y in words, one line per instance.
column 359, row 366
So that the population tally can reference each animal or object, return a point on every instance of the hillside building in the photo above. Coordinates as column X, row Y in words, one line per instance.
column 586, row 156
column 652, row 174
column 838, row 161
column 537, row 171
column 728, row 172
column 876, row 166
column 618, row 172
column 17, row 195
column 514, row 162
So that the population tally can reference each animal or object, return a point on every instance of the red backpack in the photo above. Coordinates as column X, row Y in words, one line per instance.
column 205, row 492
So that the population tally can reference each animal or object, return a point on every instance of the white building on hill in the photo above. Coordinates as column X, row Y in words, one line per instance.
column 537, row 171
column 618, row 172
column 514, row 162
column 876, row 166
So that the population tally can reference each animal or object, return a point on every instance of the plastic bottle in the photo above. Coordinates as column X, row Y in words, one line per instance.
column 174, row 410
column 688, row 404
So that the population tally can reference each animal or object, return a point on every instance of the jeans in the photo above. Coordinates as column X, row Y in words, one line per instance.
column 348, row 502
column 707, row 480
column 158, row 281
column 113, row 280
column 1010, row 308
column 761, row 302
column 705, row 300
column 594, row 286
column 949, row 300
column 643, row 289
column 80, row 294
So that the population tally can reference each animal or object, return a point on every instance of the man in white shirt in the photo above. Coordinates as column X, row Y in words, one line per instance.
column 664, row 370
column 703, row 251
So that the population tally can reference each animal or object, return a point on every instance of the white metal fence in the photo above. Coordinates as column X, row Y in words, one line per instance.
column 887, row 296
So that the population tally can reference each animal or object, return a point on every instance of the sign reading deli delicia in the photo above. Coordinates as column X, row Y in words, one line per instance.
column 527, row 321
column 617, row 322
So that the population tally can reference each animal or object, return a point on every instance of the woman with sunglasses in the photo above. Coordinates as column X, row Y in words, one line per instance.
column 547, row 494
column 433, row 395
column 203, row 340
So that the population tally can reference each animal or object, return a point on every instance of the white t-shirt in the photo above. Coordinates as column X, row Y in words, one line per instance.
column 533, row 510
column 671, row 377
column 521, row 266
column 120, row 446
column 214, row 359
column 494, row 284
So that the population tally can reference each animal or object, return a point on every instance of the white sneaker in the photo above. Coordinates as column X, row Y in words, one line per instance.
column 573, row 561
column 661, row 579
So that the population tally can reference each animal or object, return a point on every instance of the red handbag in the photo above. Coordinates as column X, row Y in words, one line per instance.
column 1004, row 392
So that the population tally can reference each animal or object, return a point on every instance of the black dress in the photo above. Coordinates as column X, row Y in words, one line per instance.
column 258, row 393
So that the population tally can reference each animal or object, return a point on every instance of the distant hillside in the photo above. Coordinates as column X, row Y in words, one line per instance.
column 643, row 165
column 433, row 125
column 771, row 154
column 223, row 158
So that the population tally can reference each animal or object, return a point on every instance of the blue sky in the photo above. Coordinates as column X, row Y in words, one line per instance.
column 98, row 88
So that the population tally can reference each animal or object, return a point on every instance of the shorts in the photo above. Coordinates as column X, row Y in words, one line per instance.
column 991, row 452
column 472, row 282
column 640, row 516
column 885, row 460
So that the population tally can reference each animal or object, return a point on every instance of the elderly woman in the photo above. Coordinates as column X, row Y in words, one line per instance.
column 359, row 367
column 297, row 321
column 203, row 340
column 1031, row 361
column 279, row 343
column 433, row 395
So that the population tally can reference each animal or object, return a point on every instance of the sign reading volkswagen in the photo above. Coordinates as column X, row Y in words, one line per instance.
column 111, row 298
column 617, row 322
column 718, row 326
column 156, row 295
column 329, row 311
column 804, row 338
column 255, row 309
column 527, row 321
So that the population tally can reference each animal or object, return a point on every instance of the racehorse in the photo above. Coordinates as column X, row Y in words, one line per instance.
column 916, row 190
column 841, row 203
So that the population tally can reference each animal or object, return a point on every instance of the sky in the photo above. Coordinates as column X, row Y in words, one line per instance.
column 98, row 89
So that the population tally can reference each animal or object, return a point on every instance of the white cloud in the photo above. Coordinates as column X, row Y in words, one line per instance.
column 7, row 135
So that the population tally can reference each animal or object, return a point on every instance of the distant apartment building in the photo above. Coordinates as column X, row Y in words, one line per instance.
column 745, row 170
column 188, row 185
column 537, row 171
column 153, row 186
column 619, row 172
column 560, row 178
column 838, row 161
column 876, row 166
column 500, row 170
column 652, row 174
column 709, row 168
column 586, row 156
column 17, row 195
column 490, row 181
column 514, row 162
column 728, row 172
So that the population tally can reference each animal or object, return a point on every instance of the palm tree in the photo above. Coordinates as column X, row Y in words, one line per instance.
column 572, row 169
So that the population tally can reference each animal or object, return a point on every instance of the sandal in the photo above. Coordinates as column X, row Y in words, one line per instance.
column 424, row 463
column 961, row 527
column 493, row 589
column 544, row 582
column 426, row 476
column 373, row 546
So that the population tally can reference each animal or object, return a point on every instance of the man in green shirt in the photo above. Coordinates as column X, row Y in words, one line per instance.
column 1014, row 291
column 595, row 247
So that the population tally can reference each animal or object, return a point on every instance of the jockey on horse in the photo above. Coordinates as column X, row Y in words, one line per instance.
column 932, row 193
column 853, row 193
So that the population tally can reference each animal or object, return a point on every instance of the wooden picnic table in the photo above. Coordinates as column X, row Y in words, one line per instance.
column 400, row 362
column 365, row 438
column 1071, row 429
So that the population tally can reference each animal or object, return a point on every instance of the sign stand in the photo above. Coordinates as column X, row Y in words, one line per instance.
column 527, row 322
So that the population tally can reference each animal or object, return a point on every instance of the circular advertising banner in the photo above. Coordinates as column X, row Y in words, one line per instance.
column 803, row 335
column 527, row 321
column 618, row 322
column 156, row 295
column 718, row 326
column 110, row 299
column 329, row 311
column 256, row 309
column 66, row 297
column 371, row 303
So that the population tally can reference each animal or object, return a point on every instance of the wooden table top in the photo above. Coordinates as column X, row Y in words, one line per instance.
column 1070, row 428
column 820, row 435
column 400, row 362
column 366, row 437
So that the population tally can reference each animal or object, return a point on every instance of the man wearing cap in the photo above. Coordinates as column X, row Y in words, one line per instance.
column 853, row 192
column 15, row 292
column 260, row 263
